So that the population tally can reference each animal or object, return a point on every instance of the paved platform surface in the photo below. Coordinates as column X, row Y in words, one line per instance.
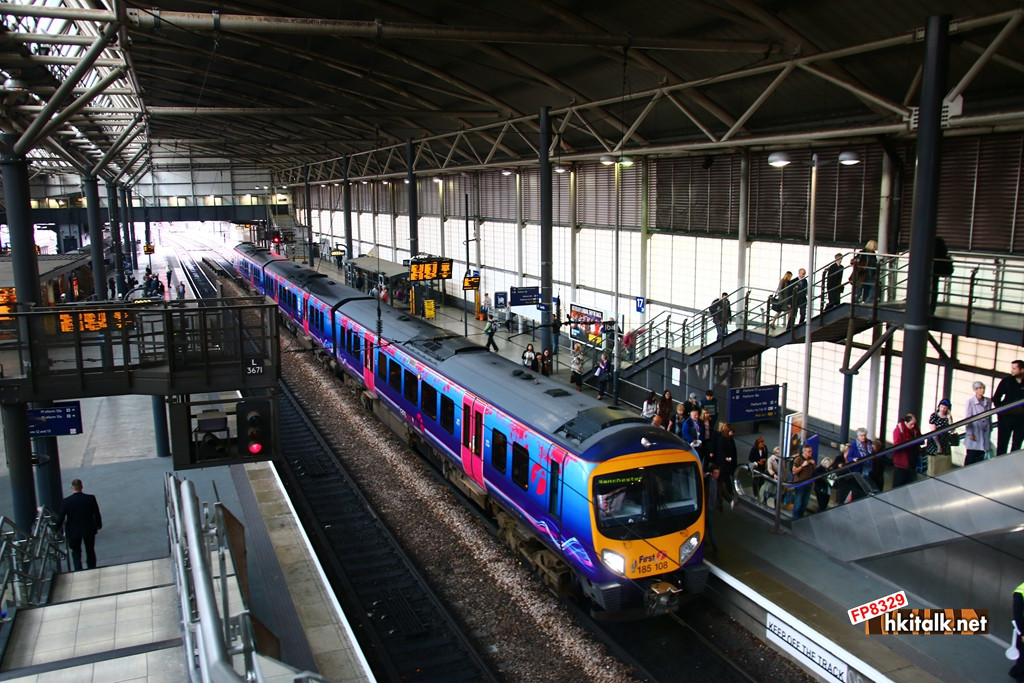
column 115, row 457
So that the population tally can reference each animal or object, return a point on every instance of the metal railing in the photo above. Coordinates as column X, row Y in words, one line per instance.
column 752, row 312
column 29, row 560
column 216, row 641
column 76, row 345
column 850, row 472
column 978, row 283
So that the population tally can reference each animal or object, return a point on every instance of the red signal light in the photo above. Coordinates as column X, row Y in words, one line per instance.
column 255, row 434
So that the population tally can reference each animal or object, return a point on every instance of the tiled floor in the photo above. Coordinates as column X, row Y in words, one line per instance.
column 96, row 613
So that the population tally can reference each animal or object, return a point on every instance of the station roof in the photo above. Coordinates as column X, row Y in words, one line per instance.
column 372, row 264
column 293, row 87
column 51, row 266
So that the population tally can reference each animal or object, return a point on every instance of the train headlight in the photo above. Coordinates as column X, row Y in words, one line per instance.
column 688, row 548
column 614, row 562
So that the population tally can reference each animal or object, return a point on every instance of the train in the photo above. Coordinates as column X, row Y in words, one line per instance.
column 603, row 505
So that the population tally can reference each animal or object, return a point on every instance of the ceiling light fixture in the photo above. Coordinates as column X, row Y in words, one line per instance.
column 779, row 159
column 607, row 159
column 626, row 161
column 506, row 171
column 560, row 169
column 13, row 84
column 849, row 158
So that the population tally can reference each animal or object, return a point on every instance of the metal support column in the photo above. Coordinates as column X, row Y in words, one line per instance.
column 19, row 463
column 844, row 427
column 743, row 221
column 414, row 233
column 546, row 229
column 309, row 220
column 162, row 436
column 129, row 216
column 26, row 286
column 127, row 242
column 346, row 189
column 926, row 196
column 645, row 233
column 114, row 221
column 90, row 188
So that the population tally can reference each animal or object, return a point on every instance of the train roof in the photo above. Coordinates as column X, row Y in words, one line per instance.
column 322, row 286
column 547, row 405
column 258, row 254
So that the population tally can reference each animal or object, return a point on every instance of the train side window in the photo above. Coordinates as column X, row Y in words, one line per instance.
column 395, row 375
column 520, row 466
column 411, row 387
column 553, row 488
column 382, row 366
column 499, row 451
column 447, row 414
column 428, row 400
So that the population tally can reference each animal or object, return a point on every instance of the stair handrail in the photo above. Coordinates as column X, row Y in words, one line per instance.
column 211, row 641
column 28, row 560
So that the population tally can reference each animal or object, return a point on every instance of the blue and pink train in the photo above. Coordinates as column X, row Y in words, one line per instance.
column 601, row 503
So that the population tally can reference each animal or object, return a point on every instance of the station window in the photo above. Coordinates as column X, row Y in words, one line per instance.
column 447, row 414
column 411, row 387
column 395, row 375
column 428, row 400
column 520, row 466
column 499, row 451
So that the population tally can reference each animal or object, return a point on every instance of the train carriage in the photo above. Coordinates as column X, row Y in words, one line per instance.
column 600, row 502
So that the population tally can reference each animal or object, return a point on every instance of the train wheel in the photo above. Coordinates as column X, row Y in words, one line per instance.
column 553, row 572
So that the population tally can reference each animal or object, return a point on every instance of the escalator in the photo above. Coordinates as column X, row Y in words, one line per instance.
column 956, row 540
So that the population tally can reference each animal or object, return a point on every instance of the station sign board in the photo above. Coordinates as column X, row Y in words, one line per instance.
column 524, row 296
column 748, row 404
column 60, row 419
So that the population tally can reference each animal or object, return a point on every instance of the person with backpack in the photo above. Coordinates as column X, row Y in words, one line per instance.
column 489, row 331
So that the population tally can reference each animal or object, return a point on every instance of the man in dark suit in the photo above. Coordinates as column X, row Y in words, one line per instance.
column 82, row 516
column 834, row 281
column 799, row 286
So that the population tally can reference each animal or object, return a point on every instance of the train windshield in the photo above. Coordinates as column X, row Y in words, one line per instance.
column 647, row 501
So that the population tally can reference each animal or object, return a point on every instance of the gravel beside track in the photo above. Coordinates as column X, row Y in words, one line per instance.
column 518, row 626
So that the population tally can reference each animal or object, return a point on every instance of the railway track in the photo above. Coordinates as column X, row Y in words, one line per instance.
column 404, row 630
column 408, row 632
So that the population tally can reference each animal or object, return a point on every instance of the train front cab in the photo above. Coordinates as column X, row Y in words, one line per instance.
column 647, row 517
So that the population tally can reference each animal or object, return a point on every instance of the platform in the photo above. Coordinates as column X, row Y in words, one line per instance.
column 778, row 580
column 806, row 591
column 115, row 459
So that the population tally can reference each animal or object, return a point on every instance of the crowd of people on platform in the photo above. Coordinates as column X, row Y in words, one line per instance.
column 855, row 469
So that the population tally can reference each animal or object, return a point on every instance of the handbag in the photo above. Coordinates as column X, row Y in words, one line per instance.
column 954, row 439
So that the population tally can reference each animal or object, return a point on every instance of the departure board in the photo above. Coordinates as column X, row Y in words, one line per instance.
column 430, row 269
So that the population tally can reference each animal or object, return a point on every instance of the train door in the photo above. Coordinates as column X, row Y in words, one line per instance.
column 368, row 361
column 473, row 439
